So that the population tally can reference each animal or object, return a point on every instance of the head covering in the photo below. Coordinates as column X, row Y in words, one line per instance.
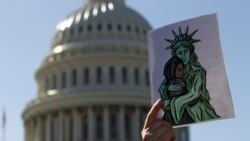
column 183, row 39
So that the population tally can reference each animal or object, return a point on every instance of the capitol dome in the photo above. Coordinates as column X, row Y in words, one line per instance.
column 101, row 19
column 94, row 83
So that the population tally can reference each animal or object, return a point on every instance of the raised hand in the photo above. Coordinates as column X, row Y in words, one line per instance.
column 156, row 129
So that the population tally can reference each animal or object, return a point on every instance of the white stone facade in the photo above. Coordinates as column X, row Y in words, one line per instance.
column 94, row 84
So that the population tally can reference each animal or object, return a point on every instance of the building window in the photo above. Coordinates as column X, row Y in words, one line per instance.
column 80, row 29
column 137, row 30
column 144, row 32
column 63, row 82
column 86, row 76
column 128, row 28
column 89, row 28
column 99, row 27
column 71, row 31
column 119, row 27
column 74, row 77
column 54, row 81
column 47, row 84
column 147, row 77
column 113, row 126
column 124, row 75
column 99, row 126
column 85, row 127
column 127, row 126
column 109, row 26
column 99, row 75
column 111, row 75
column 136, row 76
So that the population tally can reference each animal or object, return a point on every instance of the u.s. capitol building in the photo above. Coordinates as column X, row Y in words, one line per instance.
column 94, row 84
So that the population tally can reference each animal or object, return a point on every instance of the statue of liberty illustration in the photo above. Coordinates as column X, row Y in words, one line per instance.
column 183, row 91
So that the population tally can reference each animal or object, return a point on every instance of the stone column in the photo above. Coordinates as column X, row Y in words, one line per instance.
column 183, row 133
column 122, row 124
column 66, row 127
column 56, row 128
column 38, row 129
column 76, row 125
column 61, row 132
column 90, row 124
column 48, row 127
column 136, row 125
column 32, row 129
column 106, row 123
column 26, row 131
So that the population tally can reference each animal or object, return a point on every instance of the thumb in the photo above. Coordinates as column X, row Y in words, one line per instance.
column 152, row 114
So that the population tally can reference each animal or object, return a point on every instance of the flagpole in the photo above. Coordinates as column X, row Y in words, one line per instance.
column 3, row 134
column 3, row 123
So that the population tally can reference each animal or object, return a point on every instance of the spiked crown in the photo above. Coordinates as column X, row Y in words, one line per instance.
column 184, row 39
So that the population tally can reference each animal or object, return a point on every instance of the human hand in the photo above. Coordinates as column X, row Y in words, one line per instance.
column 156, row 129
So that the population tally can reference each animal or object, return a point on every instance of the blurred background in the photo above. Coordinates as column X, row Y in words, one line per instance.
column 28, row 29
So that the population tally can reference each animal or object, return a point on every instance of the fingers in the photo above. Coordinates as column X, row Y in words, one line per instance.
column 157, row 124
column 168, row 135
column 158, row 130
column 153, row 113
column 162, row 133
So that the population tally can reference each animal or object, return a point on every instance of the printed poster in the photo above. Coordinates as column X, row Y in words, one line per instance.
column 187, row 72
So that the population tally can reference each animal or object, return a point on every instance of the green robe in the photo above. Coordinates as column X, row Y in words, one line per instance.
column 198, row 110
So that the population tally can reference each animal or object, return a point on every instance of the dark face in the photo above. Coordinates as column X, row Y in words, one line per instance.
column 183, row 53
column 179, row 70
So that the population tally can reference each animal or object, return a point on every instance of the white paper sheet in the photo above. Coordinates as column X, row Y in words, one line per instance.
column 207, row 96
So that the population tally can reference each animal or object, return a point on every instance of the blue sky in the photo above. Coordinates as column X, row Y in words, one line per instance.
column 27, row 28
